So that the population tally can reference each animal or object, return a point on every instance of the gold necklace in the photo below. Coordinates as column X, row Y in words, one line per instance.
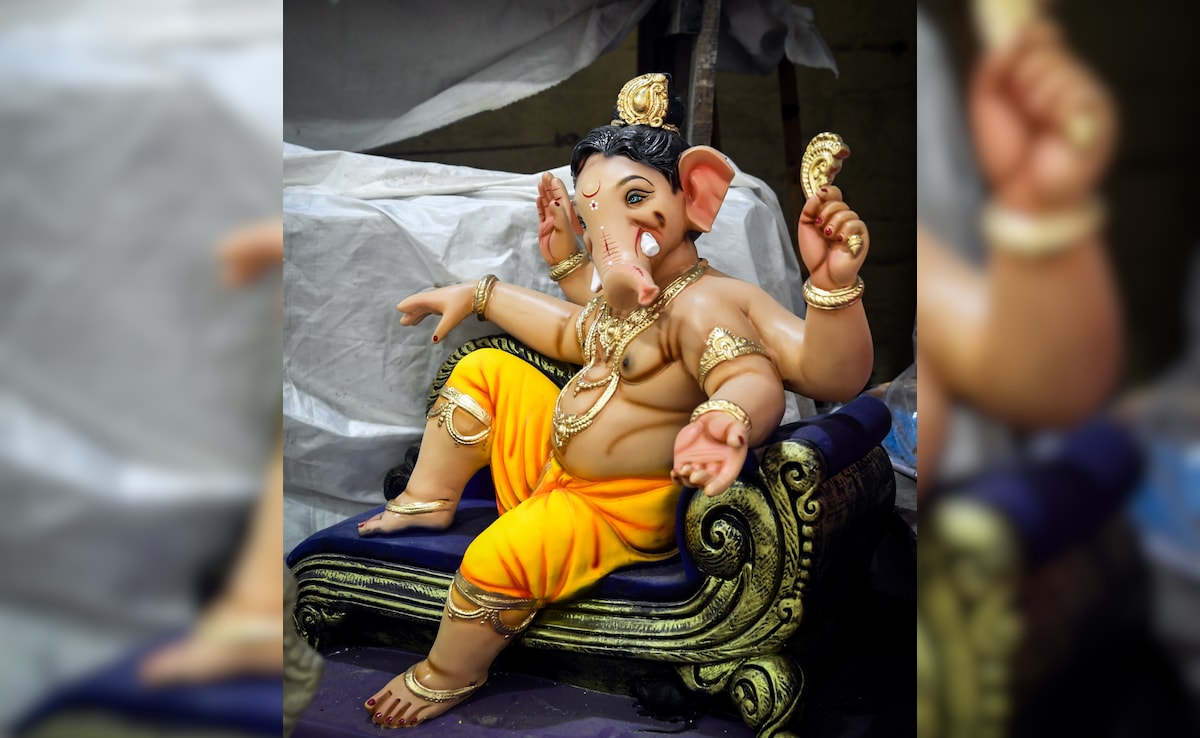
column 612, row 335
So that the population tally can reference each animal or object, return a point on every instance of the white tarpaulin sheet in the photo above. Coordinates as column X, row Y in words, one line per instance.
column 363, row 232
column 138, row 396
column 364, row 74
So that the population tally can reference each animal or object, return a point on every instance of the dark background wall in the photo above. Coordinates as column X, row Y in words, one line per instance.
column 871, row 103
column 1149, row 58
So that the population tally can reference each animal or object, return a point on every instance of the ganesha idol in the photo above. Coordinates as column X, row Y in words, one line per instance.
column 684, row 372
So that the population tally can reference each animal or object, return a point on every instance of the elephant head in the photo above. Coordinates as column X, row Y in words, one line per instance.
column 640, row 193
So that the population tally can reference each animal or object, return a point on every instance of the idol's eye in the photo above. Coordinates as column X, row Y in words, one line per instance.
column 634, row 197
column 581, row 223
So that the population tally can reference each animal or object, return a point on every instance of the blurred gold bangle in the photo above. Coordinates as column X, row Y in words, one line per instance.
column 1040, row 235
column 722, row 406
column 567, row 266
column 833, row 299
column 483, row 293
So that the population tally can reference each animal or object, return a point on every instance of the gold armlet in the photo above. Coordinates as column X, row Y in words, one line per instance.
column 483, row 293
column 445, row 416
column 837, row 299
column 723, row 406
column 723, row 345
column 567, row 266
column 1040, row 235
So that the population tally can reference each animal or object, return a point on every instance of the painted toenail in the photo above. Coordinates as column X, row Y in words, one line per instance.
column 389, row 718
column 371, row 702
column 379, row 714
column 401, row 721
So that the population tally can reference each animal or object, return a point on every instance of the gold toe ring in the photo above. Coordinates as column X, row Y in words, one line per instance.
column 415, row 508
column 437, row 695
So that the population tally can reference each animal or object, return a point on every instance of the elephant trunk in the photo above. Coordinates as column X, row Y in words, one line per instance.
column 628, row 284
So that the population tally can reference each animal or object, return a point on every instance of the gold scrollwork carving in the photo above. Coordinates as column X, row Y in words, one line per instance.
column 766, row 691
column 313, row 621
column 710, row 678
column 968, row 626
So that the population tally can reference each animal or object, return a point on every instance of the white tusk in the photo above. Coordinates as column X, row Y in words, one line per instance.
column 649, row 245
column 596, row 280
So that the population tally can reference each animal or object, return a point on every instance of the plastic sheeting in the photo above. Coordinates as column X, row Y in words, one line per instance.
column 369, row 73
column 138, row 396
column 363, row 232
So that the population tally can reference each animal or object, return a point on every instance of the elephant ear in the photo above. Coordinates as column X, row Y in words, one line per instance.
column 704, row 174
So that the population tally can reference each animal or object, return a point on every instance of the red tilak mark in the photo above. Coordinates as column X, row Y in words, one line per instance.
column 593, row 193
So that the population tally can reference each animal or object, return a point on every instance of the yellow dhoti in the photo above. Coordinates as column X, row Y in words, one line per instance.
column 557, row 534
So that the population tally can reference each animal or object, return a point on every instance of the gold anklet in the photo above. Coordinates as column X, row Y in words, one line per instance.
column 437, row 695
column 415, row 508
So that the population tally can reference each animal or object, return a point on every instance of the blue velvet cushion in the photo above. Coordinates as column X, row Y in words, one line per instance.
column 249, row 705
column 842, row 438
column 1061, row 499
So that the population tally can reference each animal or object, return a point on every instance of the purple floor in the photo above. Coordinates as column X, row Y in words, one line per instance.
column 509, row 704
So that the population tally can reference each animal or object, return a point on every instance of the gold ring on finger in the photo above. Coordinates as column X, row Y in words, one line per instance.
column 854, row 243
column 1081, row 130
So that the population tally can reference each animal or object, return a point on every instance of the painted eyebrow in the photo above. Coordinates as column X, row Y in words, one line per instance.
column 635, row 176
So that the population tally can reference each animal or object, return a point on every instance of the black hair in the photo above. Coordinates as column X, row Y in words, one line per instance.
column 657, row 148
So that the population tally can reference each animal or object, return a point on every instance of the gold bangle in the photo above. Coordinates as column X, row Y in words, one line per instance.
column 483, row 293
column 1040, row 235
column 723, row 406
column 567, row 266
column 837, row 299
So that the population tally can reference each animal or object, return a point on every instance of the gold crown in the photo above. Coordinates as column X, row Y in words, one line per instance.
column 644, row 101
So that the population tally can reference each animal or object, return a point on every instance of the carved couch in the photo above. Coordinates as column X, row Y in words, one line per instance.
column 724, row 614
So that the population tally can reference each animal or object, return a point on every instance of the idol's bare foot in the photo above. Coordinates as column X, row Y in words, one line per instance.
column 408, row 512
column 227, row 643
column 417, row 695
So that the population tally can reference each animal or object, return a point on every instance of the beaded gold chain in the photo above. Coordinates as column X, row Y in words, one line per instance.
column 612, row 335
